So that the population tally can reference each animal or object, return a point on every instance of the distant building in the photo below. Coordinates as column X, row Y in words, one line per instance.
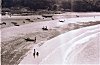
column 5, row 10
column 24, row 10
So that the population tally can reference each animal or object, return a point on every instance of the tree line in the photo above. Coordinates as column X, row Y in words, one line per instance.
column 79, row 5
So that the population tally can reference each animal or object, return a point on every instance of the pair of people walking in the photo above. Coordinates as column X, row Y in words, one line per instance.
column 35, row 53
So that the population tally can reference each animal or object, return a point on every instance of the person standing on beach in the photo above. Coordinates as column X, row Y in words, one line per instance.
column 37, row 53
column 34, row 53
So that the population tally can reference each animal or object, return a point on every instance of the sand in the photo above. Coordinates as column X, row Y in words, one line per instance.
column 15, row 48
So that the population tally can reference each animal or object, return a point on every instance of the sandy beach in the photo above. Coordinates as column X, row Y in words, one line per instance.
column 13, row 45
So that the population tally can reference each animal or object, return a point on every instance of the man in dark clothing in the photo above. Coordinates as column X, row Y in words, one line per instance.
column 37, row 53
column 34, row 53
